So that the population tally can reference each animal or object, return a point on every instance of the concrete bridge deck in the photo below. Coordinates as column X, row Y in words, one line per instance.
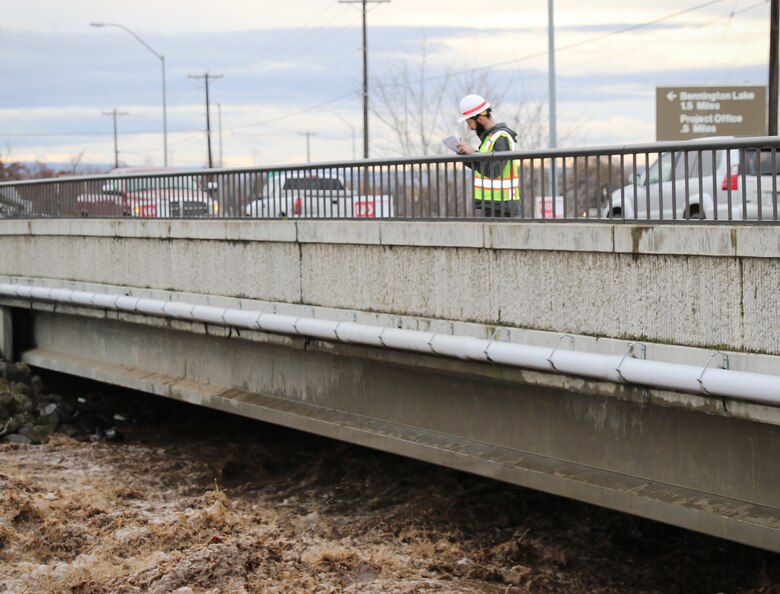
column 683, row 456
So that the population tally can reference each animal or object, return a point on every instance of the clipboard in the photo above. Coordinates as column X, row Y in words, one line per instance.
column 451, row 143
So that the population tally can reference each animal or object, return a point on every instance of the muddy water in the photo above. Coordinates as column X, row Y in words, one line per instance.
column 203, row 502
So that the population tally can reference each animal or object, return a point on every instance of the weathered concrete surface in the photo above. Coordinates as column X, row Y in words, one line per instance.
column 704, row 463
column 712, row 473
column 693, row 285
column 6, row 334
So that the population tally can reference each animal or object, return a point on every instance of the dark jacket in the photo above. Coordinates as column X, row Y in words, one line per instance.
column 492, row 168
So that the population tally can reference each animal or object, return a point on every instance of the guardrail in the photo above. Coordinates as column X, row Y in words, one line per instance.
column 733, row 179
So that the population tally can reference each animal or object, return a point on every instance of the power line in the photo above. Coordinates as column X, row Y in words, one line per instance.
column 642, row 44
column 275, row 49
column 296, row 113
column 332, row 34
column 91, row 133
column 564, row 47
column 285, row 46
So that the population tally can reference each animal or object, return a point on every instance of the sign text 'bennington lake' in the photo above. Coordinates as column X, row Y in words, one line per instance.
column 684, row 113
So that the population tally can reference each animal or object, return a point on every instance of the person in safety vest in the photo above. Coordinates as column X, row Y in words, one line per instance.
column 496, row 182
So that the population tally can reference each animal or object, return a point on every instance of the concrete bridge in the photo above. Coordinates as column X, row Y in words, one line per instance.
column 635, row 367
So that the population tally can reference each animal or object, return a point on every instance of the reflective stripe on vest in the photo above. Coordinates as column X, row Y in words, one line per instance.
column 502, row 188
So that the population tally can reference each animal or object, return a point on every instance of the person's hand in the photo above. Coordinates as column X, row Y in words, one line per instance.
column 465, row 148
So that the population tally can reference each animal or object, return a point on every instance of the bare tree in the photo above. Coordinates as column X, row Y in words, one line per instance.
column 420, row 109
column 75, row 161
column 410, row 105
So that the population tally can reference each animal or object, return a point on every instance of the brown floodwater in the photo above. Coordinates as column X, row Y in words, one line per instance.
column 194, row 501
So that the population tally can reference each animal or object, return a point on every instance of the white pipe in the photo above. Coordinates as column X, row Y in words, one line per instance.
column 707, row 380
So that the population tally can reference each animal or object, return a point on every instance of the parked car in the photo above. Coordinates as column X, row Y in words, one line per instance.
column 315, row 195
column 163, row 193
column 710, row 183
column 12, row 204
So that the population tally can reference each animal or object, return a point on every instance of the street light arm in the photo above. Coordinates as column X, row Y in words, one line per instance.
column 162, row 62
column 141, row 41
column 339, row 116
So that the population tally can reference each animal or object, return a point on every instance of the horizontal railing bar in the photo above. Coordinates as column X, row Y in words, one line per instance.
column 605, row 150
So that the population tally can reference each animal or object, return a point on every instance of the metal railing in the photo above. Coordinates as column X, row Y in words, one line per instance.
column 726, row 179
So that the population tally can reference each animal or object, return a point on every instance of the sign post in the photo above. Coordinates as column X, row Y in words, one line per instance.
column 684, row 113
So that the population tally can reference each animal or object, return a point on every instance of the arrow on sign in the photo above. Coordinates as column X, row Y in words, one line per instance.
column 671, row 95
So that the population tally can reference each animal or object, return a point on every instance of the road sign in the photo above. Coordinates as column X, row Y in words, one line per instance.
column 683, row 113
column 544, row 207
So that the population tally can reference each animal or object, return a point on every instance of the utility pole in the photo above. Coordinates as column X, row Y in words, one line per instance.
column 308, row 136
column 773, row 47
column 115, row 114
column 206, row 78
column 365, row 69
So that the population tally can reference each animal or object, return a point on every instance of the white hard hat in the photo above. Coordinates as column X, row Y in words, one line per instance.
column 472, row 105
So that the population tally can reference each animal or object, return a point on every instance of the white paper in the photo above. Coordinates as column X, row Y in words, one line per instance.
column 451, row 142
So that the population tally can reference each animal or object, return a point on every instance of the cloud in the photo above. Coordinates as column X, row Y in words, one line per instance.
column 281, row 80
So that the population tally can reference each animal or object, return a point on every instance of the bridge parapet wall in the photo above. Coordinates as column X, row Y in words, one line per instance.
column 690, row 285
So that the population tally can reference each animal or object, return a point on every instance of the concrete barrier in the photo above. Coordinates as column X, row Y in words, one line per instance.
column 693, row 285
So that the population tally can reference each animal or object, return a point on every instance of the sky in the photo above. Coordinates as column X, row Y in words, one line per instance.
column 287, row 76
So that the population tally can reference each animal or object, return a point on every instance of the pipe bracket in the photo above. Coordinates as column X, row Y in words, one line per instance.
column 262, row 313
column 632, row 346
column 390, row 319
column 724, row 364
column 344, row 315
column 436, row 331
column 555, row 348
column 493, row 338
column 298, row 319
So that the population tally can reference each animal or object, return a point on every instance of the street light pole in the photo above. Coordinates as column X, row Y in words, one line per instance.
column 552, row 107
column 551, row 74
column 774, row 31
column 162, row 61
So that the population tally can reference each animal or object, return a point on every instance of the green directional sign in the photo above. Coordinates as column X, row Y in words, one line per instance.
column 684, row 113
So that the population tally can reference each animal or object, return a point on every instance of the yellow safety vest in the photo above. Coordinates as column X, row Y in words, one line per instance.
column 506, row 187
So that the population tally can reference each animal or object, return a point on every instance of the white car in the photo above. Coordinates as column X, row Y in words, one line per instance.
column 313, row 194
column 12, row 204
column 702, row 184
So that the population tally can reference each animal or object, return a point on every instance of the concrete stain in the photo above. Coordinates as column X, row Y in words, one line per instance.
column 637, row 233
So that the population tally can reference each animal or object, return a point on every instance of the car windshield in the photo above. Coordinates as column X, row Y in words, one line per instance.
column 10, row 196
column 661, row 169
column 313, row 183
column 687, row 164
column 764, row 162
